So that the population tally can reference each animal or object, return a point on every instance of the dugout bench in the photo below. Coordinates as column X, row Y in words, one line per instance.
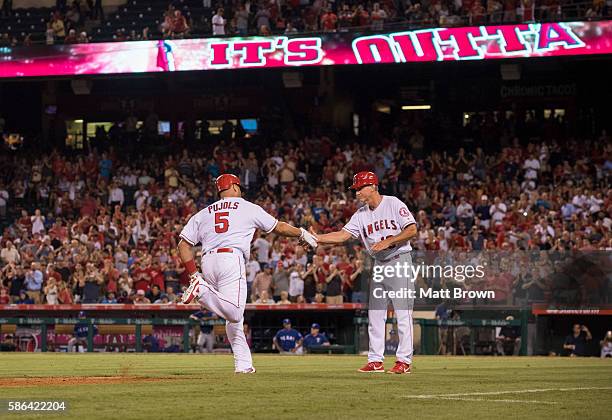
column 471, row 336
column 554, row 324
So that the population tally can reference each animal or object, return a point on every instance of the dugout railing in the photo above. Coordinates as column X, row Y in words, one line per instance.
column 345, row 342
column 137, row 321
column 138, row 324
column 542, row 327
column 428, row 342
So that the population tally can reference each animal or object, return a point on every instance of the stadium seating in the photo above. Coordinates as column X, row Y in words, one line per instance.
column 130, row 19
column 31, row 21
column 136, row 15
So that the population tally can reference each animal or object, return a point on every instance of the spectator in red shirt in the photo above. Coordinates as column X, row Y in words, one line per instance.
column 88, row 206
column 509, row 10
column 65, row 294
column 4, row 296
column 527, row 7
column 361, row 17
column 477, row 13
column 329, row 21
column 52, row 274
column 157, row 277
column 378, row 17
column 141, row 275
column 71, row 38
column 179, row 26
column 111, row 276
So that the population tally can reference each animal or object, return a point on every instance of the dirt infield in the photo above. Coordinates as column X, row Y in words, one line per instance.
column 75, row 380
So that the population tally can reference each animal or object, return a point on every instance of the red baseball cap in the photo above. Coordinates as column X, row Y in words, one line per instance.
column 364, row 178
column 226, row 181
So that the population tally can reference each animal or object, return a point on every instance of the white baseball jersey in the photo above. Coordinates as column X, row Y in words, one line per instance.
column 227, row 223
column 252, row 268
column 388, row 219
column 263, row 249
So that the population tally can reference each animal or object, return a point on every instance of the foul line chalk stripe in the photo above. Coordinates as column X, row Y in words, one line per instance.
column 487, row 400
column 519, row 391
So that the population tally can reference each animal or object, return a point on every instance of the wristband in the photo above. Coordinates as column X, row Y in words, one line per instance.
column 190, row 267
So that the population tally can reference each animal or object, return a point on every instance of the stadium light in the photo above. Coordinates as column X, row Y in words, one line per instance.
column 383, row 108
column 415, row 107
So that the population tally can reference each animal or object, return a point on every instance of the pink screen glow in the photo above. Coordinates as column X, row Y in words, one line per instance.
column 438, row 44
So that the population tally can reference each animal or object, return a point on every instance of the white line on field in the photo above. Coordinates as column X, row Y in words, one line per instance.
column 488, row 400
column 518, row 391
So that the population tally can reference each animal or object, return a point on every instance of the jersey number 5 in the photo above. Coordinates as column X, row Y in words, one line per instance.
column 221, row 222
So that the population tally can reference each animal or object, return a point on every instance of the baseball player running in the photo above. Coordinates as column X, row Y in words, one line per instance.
column 385, row 225
column 225, row 230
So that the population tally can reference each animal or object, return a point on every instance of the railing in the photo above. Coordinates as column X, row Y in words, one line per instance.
column 262, row 318
column 44, row 323
column 28, row 308
column 569, row 12
column 428, row 344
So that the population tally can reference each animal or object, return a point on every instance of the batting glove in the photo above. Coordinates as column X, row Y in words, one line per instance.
column 308, row 238
column 195, row 277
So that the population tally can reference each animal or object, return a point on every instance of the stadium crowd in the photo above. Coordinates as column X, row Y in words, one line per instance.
column 101, row 225
column 324, row 16
column 68, row 22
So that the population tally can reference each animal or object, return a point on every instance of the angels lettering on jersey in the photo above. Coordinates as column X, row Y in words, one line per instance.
column 389, row 218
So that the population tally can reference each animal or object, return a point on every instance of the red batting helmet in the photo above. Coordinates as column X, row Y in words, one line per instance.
column 225, row 181
column 363, row 178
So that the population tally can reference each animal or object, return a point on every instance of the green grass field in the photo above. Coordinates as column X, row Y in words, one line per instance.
column 204, row 386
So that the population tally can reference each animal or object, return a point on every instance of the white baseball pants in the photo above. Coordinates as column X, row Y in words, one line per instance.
column 225, row 294
column 377, row 313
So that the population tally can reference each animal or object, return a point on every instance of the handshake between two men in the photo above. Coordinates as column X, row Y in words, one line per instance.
column 308, row 239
